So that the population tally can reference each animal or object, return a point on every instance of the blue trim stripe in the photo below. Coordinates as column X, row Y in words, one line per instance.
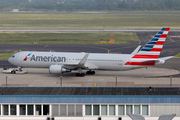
column 160, row 32
column 89, row 99
column 29, row 54
column 149, row 46
column 145, row 50
column 154, row 39
column 157, row 36
column 163, row 29
column 151, row 43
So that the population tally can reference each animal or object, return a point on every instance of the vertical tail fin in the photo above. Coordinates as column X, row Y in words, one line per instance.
column 153, row 48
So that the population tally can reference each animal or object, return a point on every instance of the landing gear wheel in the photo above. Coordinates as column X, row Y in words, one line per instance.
column 90, row 72
column 13, row 72
column 80, row 74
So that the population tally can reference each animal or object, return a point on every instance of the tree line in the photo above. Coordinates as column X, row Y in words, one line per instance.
column 91, row 5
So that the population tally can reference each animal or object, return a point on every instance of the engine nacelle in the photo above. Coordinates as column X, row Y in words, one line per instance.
column 58, row 69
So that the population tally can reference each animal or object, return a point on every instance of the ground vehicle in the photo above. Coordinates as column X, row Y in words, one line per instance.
column 13, row 71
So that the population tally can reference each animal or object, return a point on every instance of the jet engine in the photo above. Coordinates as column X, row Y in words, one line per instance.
column 58, row 69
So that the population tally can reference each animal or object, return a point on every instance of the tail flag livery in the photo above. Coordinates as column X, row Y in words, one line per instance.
column 149, row 54
column 153, row 48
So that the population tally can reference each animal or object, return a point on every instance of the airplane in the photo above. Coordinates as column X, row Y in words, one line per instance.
column 63, row 62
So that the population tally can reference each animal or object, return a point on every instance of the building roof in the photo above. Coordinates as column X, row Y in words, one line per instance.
column 89, row 91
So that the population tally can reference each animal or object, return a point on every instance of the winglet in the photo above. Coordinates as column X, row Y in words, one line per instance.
column 82, row 62
column 136, row 50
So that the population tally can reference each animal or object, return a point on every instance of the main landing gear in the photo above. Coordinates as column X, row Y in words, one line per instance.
column 90, row 72
column 83, row 74
column 80, row 74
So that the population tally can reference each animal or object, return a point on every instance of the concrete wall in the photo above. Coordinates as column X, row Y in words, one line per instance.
column 77, row 118
column 157, row 110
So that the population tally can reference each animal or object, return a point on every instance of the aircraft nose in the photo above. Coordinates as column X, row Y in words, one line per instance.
column 10, row 60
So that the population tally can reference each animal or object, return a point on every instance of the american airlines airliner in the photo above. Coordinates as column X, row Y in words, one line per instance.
column 62, row 62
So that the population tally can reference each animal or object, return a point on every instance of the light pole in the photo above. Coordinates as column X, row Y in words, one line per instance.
column 171, row 81
column 61, row 80
column 6, row 81
column 116, row 81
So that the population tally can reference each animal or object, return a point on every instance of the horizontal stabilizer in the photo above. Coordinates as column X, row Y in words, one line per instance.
column 166, row 58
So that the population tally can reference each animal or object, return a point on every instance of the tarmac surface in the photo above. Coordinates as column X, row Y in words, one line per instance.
column 161, row 75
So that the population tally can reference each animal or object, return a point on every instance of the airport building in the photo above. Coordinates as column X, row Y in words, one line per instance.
column 88, row 103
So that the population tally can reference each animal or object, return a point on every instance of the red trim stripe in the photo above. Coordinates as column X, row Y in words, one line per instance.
column 156, row 49
column 163, row 36
column 160, row 43
column 167, row 29
column 25, row 58
column 141, row 63
column 146, row 56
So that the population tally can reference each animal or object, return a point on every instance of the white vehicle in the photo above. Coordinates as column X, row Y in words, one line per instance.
column 7, row 70
column 13, row 71
column 62, row 62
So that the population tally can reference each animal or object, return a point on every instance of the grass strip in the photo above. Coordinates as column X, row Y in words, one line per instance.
column 6, row 55
column 66, row 37
column 118, row 19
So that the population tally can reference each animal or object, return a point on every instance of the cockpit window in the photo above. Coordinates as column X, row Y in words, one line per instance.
column 13, row 56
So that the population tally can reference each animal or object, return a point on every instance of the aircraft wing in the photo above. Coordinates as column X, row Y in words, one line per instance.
column 82, row 64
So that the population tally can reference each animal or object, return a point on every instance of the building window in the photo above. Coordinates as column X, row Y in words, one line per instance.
column 128, row 109
column 145, row 110
column 103, row 109
column 55, row 110
column 38, row 109
column 137, row 109
column 30, row 110
column 63, row 110
column 70, row 110
column 111, row 109
column 78, row 110
column 5, row 110
column 95, row 109
column 22, row 110
column 12, row 109
column 88, row 110
column 121, row 110
column 45, row 109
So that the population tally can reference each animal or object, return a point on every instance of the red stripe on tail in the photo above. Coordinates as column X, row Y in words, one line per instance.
column 146, row 56
column 167, row 29
column 163, row 36
column 160, row 43
column 156, row 49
